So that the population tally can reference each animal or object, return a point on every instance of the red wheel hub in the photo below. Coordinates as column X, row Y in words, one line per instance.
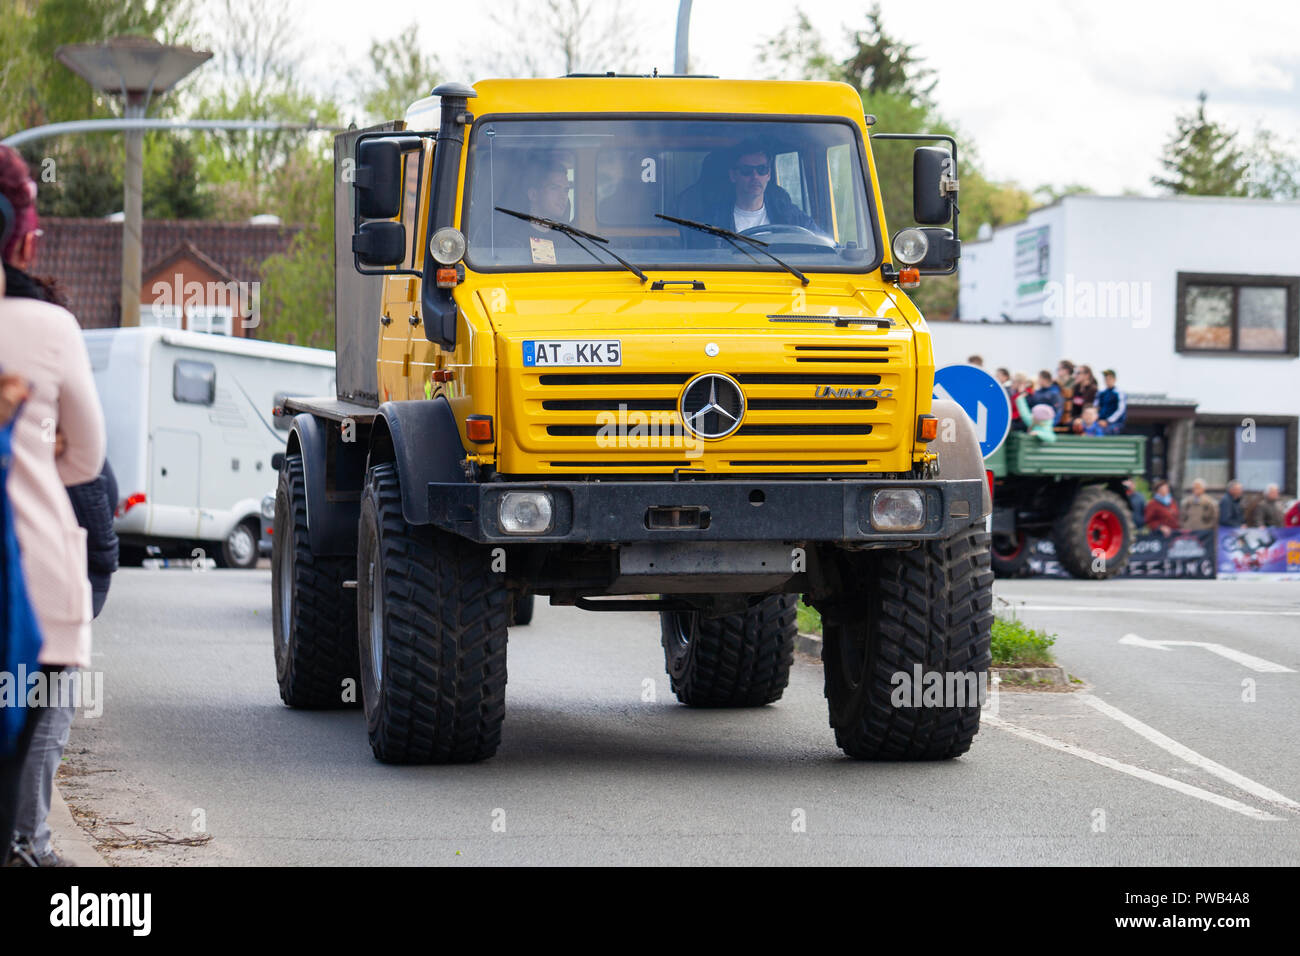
column 1105, row 533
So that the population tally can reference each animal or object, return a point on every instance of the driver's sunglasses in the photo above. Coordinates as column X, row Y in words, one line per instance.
column 745, row 169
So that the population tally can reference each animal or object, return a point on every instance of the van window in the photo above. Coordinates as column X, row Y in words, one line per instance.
column 194, row 383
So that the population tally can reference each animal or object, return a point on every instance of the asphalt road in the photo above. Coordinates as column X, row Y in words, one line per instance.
column 194, row 739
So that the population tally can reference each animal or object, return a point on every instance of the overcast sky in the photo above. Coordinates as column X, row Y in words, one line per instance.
column 1049, row 92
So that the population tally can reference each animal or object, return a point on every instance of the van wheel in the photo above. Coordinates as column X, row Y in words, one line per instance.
column 740, row 660
column 1094, row 536
column 927, row 609
column 312, row 615
column 239, row 550
column 431, row 624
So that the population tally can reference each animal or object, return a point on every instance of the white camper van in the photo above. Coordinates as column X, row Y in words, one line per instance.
column 191, row 433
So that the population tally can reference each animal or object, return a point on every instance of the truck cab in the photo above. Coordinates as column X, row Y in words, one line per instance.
column 639, row 343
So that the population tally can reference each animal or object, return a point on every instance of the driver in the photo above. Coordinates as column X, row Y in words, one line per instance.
column 755, row 200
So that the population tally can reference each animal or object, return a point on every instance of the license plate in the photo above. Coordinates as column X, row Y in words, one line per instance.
column 562, row 353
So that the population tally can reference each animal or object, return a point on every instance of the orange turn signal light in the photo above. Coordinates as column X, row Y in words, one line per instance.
column 478, row 428
column 927, row 428
column 447, row 278
column 909, row 278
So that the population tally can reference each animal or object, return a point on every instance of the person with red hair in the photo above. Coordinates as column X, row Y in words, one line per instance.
column 58, row 440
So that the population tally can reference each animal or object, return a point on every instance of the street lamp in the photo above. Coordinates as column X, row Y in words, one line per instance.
column 134, row 68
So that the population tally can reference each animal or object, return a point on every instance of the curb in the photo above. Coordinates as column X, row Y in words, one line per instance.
column 68, row 839
column 809, row 644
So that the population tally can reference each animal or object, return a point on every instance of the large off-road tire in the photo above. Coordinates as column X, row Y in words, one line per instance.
column 431, row 624
column 741, row 660
column 1009, row 554
column 929, row 607
column 313, row 616
column 1094, row 535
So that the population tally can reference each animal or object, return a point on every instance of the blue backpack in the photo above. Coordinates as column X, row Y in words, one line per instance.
column 20, row 636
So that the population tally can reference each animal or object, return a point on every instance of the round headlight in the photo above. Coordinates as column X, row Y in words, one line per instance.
column 447, row 246
column 910, row 246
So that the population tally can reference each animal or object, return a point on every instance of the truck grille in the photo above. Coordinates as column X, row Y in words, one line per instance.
column 566, row 416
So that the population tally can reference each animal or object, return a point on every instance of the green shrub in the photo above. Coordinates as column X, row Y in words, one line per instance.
column 1015, row 644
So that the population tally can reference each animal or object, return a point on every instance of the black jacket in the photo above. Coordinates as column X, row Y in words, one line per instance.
column 780, row 208
column 95, row 501
column 1232, row 514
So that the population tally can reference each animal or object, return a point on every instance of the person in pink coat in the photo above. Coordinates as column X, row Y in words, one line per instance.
column 58, row 440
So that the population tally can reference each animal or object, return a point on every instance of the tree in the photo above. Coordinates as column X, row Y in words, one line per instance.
column 1202, row 158
column 400, row 73
column 1272, row 168
column 559, row 37
column 297, row 292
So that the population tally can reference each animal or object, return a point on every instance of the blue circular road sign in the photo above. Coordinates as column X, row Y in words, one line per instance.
column 981, row 397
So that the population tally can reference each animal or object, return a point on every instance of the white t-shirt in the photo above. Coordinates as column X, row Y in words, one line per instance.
column 749, row 218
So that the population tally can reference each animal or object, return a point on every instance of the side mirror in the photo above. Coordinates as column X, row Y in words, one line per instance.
column 277, row 460
column 378, row 181
column 380, row 243
column 934, row 184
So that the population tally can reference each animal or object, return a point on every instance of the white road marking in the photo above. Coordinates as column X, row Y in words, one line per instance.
column 1149, row 776
column 1189, row 755
column 1240, row 657
column 1148, row 610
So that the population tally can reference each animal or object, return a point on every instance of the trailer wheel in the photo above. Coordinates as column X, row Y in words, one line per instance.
column 431, row 625
column 313, row 615
column 1009, row 554
column 1094, row 536
column 239, row 550
column 741, row 660
column 909, row 614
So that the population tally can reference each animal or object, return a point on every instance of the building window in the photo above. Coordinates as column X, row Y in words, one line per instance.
column 1238, row 314
column 194, row 383
column 215, row 319
column 162, row 316
column 1258, row 451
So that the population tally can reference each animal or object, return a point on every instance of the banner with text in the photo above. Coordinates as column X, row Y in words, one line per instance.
column 1184, row 554
column 1259, row 551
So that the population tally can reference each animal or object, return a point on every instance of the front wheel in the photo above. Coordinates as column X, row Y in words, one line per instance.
column 431, row 625
column 906, row 649
column 740, row 660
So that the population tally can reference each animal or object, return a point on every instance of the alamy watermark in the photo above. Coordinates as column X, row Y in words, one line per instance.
column 1093, row 299
column 60, row 688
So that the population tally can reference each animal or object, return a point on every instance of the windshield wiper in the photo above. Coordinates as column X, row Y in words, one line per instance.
column 574, row 233
column 732, row 237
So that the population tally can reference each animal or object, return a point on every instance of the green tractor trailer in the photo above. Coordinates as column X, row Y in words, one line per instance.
column 1070, row 490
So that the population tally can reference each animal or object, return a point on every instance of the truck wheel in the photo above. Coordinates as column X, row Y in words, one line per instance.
column 1097, row 524
column 741, row 660
column 431, row 624
column 312, row 615
column 1009, row 554
column 239, row 550
column 523, row 609
column 916, row 612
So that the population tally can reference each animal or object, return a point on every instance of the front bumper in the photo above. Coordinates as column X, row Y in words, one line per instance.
column 613, row 512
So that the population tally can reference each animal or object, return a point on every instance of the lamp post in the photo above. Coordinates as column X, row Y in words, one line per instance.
column 134, row 68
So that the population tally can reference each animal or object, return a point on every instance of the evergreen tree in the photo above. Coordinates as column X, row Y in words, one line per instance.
column 1202, row 158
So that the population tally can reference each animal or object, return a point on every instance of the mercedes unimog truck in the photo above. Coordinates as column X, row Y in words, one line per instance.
column 633, row 344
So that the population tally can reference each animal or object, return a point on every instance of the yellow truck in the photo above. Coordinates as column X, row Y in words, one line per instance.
column 633, row 344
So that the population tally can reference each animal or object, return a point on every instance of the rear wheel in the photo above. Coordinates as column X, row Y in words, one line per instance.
column 907, row 615
column 740, row 660
column 239, row 550
column 1094, row 536
column 313, row 616
column 431, row 621
column 523, row 609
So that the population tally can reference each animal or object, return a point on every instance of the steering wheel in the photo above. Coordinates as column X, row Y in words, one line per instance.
column 784, row 233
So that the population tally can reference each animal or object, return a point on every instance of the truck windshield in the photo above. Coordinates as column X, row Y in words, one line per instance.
column 798, row 186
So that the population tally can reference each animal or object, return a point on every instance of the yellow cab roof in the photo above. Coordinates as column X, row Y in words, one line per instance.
column 651, row 95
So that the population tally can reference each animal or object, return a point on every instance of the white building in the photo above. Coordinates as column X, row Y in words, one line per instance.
column 1194, row 301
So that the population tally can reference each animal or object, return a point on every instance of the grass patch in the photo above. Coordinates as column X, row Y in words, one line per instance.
column 1015, row 644
column 810, row 622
